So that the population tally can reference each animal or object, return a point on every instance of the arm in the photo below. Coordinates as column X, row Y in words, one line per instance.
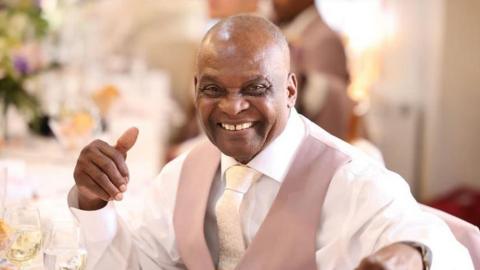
column 109, row 241
column 370, row 211
column 399, row 218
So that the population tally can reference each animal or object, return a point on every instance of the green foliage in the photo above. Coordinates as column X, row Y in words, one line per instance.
column 21, row 24
column 12, row 93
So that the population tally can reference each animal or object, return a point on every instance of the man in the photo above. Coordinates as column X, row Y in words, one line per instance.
column 319, row 59
column 311, row 202
column 224, row 8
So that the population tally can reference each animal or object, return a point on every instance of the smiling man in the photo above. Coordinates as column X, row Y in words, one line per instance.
column 244, row 88
column 269, row 190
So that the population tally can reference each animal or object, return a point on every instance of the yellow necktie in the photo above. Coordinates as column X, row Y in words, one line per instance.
column 238, row 178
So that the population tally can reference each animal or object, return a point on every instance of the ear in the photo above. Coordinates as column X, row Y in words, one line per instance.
column 195, row 83
column 291, row 89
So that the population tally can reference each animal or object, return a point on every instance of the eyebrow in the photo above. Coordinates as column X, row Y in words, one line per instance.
column 210, row 78
column 207, row 78
column 256, row 79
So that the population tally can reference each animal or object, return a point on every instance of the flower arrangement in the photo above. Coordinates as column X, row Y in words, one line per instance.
column 22, row 27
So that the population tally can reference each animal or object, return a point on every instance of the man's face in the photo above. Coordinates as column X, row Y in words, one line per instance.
column 243, row 97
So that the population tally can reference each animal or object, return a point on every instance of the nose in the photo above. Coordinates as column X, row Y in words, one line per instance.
column 233, row 104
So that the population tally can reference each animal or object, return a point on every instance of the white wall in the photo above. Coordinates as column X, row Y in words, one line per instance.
column 426, row 109
column 452, row 135
column 397, row 100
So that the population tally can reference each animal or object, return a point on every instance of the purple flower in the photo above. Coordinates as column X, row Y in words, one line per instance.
column 21, row 65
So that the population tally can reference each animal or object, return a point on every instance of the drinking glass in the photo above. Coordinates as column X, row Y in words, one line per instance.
column 24, row 223
column 5, row 230
column 65, row 250
column 5, row 235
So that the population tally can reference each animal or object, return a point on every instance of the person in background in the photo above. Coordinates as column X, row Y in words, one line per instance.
column 319, row 60
column 270, row 190
column 223, row 8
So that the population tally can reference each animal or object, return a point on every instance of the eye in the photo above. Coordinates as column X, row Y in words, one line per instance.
column 257, row 89
column 211, row 90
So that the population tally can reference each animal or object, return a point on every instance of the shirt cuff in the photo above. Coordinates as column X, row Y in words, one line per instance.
column 97, row 226
column 425, row 252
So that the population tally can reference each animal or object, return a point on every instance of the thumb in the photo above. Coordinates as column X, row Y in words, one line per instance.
column 127, row 140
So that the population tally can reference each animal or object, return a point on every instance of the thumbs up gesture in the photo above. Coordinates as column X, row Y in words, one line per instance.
column 101, row 174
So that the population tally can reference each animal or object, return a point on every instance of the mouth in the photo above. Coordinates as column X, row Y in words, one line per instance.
column 236, row 127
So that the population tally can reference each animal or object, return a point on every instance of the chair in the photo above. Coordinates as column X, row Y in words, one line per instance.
column 465, row 233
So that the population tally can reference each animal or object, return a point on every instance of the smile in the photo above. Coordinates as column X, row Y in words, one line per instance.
column 236, row 127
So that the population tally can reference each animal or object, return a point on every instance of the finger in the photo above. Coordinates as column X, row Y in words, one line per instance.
column 107, row 166
column 127, row 140
column 89, row 187
column 370, row 263
column 114, row 155
column 101, row 179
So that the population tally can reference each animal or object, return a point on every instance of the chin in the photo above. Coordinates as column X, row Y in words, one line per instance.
column 242, row 152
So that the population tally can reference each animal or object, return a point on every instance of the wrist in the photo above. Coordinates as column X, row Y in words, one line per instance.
column 424, row 252
column 90, row 204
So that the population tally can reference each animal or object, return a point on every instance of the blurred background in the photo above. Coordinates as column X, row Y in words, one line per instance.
column 400, row 79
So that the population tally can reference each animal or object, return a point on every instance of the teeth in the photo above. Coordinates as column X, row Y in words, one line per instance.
column 237, row 127
column 228, row 127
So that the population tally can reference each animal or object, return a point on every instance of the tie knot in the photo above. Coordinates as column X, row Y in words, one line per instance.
column 239, row 178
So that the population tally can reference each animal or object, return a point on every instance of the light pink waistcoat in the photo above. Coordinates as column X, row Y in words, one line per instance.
column 286, row 238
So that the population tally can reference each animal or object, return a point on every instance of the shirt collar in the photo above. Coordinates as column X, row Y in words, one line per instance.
column 274, row 161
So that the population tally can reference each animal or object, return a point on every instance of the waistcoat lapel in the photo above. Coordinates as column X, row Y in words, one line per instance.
column 193, row 190
column 287, row 237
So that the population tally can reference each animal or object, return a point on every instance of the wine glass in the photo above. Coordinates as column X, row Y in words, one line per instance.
column 65, row 249
column 5, row 230
column 24, row 222
column 5, row 235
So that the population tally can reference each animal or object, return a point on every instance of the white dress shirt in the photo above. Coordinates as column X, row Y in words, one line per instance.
column 366, row 208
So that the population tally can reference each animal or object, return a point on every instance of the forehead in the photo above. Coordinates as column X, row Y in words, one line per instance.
column 239, row 60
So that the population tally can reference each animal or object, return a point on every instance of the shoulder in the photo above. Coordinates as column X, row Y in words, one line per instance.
column 322, row 35
column 321, row 136
column 361, row 189
column 372, row 179
column 362, row 171
column 367, row 188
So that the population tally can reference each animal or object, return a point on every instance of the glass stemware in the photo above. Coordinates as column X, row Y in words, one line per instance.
column 5, row 230
column 26, row 234
column 65, row 250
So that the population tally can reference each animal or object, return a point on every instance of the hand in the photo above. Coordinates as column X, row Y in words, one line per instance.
column 101, row 174
column 396, row 256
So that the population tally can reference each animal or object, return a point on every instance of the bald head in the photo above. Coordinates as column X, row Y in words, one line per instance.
column 245, row 36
